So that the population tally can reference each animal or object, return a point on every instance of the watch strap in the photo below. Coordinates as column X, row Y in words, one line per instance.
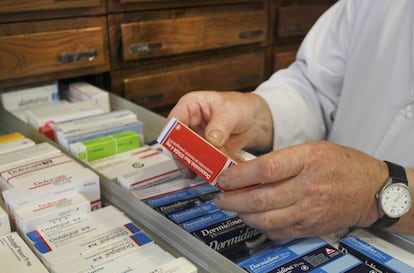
column 384, row 222
column 397, row 175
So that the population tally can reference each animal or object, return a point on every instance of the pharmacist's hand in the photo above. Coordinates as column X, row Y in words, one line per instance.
column 228, row 120
column 305, row 190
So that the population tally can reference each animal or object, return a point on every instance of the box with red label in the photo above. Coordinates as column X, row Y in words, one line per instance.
column 194, row 151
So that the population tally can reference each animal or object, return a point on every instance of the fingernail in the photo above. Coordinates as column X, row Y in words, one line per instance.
column 217, row 136
column 221, row 181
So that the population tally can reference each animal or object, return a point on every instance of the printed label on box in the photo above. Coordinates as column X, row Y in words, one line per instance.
column 194, row 151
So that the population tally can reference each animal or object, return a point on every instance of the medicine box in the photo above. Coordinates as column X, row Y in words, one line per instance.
column 178, row 265
column 176, row 192
column 55, row 181
column 194, row 151
column 83, row 246
column 163, row 191
column 50, row 210
column 136, row 262
column 376, row 251
column 58, row 112
column 5, row 138
column 30, row 96
column 146, row 170
column 17, row 144
column 135, row 243
column 128, row 163
column 4, row 222
column 344, row 263
column 227, row 234
column 278, row 255
column 183, row 204
column 26, row 155
column 77, row 130
column 11, row 175
column 98, row 148
column 16, row 256
column 81, row 91
column 67, row 231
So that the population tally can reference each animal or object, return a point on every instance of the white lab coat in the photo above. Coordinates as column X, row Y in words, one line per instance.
column 352, row 82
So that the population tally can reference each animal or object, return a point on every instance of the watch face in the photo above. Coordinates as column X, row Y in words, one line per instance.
column 396, row 200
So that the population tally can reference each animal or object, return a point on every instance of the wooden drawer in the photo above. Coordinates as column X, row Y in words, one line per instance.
column 11, row 6
column 30, row 10
column 78, row 46
column 296, row 20
column 158, row 89
column 147, row 35
column 284, row 56
column 130, row 5
column 284, row 59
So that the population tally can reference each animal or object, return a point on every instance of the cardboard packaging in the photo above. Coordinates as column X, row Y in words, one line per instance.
column 48, row 211
column 81, row 91
column 377, row 252
column 58, row 112
column 194, row 151
column 98, row 148
column 30, row 96
column 4, row 222
column 16, row 256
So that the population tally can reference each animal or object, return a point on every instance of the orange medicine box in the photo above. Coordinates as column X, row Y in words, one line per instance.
column 194, row 151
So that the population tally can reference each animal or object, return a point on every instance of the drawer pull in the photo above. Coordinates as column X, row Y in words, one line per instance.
column 73, row 57
column 250, row 34
column 249, row 79
column 156, row 98
column 293, row 27
column 144, row 47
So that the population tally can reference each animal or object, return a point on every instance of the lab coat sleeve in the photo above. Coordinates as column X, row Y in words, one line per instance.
column 303, row 97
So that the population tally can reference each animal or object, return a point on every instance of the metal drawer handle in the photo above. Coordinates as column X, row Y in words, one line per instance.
column 249, row 79
column 250, row 34
column 73, row 57
column 293, row 27
column 145, row 47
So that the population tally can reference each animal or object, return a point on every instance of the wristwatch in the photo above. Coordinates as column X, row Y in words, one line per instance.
column 394, row 199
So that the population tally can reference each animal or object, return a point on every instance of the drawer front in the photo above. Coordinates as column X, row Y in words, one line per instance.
column 284, row 59
column 138, row 1
column 297, row 20
column 146, row 39
column 10, row 6
column 53, row 50
column 165, row 88
column 115, row 6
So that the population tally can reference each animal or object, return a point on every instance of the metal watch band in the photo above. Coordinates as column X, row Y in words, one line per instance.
column 397, row 174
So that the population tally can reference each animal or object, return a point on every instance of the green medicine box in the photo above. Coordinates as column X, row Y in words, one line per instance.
column 97, row 148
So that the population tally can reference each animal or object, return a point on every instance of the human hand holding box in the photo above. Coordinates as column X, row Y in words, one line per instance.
column 194, row 151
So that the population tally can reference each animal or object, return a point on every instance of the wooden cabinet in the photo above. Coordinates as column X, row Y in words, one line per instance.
column 146, row 39
column 152, row 51
column 10, row 6
column 74, row 46
column 158, row 55
column 292, row 21
column 45, row 40
column 117, row 6
column 284, row 55
column 162, row 87
column 24, row 10
column 297, row 19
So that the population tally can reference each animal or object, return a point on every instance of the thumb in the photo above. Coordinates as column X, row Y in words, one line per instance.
column 219, row 129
